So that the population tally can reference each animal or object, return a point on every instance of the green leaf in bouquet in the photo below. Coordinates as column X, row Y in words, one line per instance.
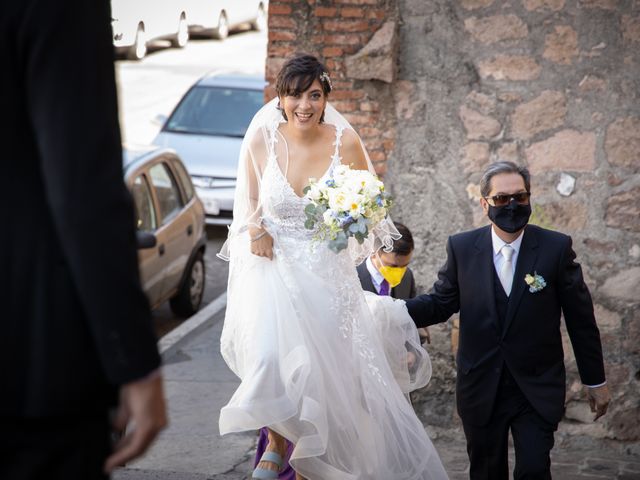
column 309, row 224
column 310, row 209
column 354, row 228
column 306, row 189
column 339, row 243
column 359, row 237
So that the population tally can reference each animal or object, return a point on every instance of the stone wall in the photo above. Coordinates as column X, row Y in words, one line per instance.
column 440, row 88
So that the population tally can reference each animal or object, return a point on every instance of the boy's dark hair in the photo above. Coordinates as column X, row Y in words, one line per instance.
column 404, row 245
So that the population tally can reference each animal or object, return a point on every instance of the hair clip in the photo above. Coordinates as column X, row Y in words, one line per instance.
column 325, row 78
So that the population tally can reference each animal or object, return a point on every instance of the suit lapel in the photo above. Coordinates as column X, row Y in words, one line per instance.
column 526, row 263
column 484, row 252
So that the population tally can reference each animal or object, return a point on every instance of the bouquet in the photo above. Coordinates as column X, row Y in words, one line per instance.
column 349, row 204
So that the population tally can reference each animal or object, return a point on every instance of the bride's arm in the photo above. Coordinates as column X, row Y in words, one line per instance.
column 261, row 243
column 352, row 152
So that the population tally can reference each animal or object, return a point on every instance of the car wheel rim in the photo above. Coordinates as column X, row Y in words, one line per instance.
column 141, row 44
column 197, row 283
column 183, row 32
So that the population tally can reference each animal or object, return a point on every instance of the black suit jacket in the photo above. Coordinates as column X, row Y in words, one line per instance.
column 530, row 343
column 74, row 320
column 405, row 289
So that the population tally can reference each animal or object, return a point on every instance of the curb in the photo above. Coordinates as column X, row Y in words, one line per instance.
column 172, row 341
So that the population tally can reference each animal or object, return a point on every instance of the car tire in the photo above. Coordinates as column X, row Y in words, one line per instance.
column 222, row 29
column 260, row 22
column 187, row 301
column 138, row 50
column 181, row 37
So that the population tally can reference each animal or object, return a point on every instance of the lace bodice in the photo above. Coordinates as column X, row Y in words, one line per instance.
column 283, row 209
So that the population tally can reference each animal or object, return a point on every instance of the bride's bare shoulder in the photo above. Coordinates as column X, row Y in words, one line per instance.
column 352, row 152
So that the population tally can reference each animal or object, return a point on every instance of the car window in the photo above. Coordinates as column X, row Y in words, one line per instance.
column 216, row 111
column 145, row 212
column 185, row 180
column 169, row 201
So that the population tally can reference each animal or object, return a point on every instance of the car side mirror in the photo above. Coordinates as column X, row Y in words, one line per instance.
column 145, row 239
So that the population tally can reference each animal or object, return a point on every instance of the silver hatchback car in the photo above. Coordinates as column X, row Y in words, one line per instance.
column 170, row 228
column 206, row 129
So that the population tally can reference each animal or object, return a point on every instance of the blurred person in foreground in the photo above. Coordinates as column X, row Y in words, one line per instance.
column 76, row 323
column 511, row 282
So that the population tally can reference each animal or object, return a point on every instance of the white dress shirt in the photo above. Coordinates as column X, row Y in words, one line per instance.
column 498, row 260
column 376, row 276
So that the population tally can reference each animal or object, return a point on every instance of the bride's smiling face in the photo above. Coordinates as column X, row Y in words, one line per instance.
column 304, row 110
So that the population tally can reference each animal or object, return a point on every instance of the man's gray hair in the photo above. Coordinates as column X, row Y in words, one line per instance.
column 503, row 167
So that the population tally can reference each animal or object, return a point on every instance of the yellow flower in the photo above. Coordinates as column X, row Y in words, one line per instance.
column 529, row 279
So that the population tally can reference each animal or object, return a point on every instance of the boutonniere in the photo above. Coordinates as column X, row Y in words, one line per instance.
column 536, row 282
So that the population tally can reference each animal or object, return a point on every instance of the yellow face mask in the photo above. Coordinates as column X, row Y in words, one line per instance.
column 393, row 275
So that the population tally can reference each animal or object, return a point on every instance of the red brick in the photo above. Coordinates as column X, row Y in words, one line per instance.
column 389, row 145
column 344, row 106
column 281, row 50
column 369, row 106
column 325, row 11
column 281, row 35
column 352, row 12
column 347, row 94
column 380, row 167
column 281, row 21
column 360, row 2
column 377, row 156
column 346, row 25
column 332, row 52
column 370, row 132
column 276, row 9
column 358, row 118
column 377, row 14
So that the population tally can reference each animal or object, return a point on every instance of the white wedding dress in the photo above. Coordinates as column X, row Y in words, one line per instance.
column 300, row 335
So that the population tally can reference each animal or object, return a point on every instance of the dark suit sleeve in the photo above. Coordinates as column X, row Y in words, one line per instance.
column 71, row 99
column 577, row 308
column 443, row 300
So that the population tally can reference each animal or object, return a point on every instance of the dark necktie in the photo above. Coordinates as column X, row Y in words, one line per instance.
column 384, row 288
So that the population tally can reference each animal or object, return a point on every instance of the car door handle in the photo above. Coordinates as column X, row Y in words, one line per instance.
column 190, row 230
column 161, row 249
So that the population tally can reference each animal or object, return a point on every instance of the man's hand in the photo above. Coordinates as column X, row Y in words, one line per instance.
column 142, row 408
column 599, row 398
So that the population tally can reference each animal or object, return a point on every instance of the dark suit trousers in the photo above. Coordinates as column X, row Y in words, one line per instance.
column 487, row 445
column 55, row 449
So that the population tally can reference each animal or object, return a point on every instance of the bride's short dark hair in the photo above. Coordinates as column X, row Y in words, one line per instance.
column 298, row 73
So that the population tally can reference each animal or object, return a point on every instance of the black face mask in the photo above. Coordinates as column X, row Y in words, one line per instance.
column 510, row 218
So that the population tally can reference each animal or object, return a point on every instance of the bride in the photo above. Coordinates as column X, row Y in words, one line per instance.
column 298, row 330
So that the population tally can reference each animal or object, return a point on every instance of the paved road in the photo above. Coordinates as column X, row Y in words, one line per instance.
column 153, row 86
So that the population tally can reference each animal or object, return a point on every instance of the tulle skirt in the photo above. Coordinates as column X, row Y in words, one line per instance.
column 313, row 367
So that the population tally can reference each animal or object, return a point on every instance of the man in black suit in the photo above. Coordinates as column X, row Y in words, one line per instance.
column 511, row 282
column 76, row 325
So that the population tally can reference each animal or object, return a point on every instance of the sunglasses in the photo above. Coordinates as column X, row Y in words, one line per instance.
column 504, row 199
